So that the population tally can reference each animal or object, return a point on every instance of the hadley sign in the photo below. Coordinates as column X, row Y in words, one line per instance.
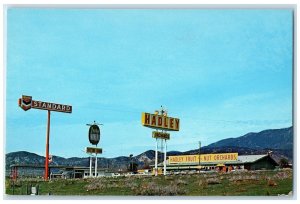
column 26, row 103
column 223, row 157
column 160, row 122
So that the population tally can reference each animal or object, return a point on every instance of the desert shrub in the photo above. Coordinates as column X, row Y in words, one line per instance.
column 281, row 175
column 212, row 181
column 101, row 183
column 152, row 189
column 250, row 177
column 168, row 178
column 180, row 182
column 95, row 186
column 271, row 183
column 202, row 183
column 236, row 178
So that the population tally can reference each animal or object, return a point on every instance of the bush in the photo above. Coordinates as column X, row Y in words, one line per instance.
column 212, row 181
column 272, row 183
column 152, row 189
column 202, row 183
column 96, row 185
column 180, row 182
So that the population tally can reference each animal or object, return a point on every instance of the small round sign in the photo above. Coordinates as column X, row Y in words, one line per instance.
column 94, row 134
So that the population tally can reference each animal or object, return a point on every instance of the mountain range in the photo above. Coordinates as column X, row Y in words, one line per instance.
column 279, row 141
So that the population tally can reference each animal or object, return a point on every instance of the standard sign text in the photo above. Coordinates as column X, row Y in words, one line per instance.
column 51, row 106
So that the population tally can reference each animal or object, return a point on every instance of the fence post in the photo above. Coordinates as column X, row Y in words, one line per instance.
column 13, row 188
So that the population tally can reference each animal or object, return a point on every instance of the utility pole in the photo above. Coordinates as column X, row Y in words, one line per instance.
column 165, row 158
column 199, row 156
column 155, row 169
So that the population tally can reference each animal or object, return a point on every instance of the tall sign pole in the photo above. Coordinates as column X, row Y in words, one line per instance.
column 94, row 138
column 96, row 165
column 156, row 155
column 46, row 174
column 27, row 103
column 91, row 165
column 160, row 122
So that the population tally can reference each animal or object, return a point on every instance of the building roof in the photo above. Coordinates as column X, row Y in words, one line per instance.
column 250, row 158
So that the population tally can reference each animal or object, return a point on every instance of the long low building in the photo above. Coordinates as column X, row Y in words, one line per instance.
column 222, row 162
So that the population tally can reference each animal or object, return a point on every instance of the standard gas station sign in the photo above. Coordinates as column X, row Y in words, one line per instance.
column 27, row 103
column 160, row 122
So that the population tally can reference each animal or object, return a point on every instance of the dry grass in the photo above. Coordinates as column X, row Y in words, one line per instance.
column 233, row 183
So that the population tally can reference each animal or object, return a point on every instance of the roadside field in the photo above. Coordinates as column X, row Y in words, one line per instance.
column 248, row 183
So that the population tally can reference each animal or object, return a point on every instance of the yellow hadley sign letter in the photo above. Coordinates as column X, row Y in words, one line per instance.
column 160, row 122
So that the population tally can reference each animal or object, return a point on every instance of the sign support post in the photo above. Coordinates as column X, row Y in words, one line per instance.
column 46, row 174
column 96, row 165
column 27, row 103
column 91, row 165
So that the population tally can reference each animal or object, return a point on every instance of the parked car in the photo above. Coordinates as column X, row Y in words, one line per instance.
column 129, row 174
column 116, row 175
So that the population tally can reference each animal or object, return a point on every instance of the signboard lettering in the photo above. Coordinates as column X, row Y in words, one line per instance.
column 27, row 103
column 160, row 122
column 161, row 135
column 94, row 150
column 204, row 158
column 51, row 106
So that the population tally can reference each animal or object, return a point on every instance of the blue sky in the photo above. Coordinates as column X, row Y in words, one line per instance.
column 224, row 73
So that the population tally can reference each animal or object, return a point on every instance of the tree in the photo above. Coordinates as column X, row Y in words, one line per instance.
column 132, row 165
column 146, row 164
column 283, row 163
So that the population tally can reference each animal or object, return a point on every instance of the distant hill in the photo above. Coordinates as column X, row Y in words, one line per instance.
column 280, row 141
column 267, row 139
